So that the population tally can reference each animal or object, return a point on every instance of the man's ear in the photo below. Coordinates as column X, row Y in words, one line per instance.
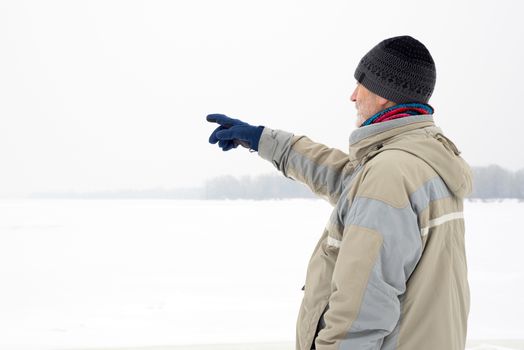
column 385, row 103
column 381, row 100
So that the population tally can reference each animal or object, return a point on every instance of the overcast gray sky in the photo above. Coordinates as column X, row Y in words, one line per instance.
column 100, row 95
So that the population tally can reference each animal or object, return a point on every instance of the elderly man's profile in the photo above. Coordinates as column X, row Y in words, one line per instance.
column 389, row 270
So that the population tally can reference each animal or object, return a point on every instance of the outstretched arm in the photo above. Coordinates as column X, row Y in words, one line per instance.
column 322, row 169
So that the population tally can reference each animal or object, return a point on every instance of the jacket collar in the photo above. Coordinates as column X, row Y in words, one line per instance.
column 365, row 141
column 434, row 148
column 373, row 129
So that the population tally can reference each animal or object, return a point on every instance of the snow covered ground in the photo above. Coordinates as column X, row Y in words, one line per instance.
column 163, row 274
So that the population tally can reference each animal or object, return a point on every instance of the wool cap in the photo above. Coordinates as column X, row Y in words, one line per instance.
column 399, row 69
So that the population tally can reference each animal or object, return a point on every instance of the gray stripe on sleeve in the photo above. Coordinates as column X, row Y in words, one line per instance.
column 378, row 316
column 400, row 253
column 391, row 340
column 431, row 190
column 401, row 234
column 321, row 179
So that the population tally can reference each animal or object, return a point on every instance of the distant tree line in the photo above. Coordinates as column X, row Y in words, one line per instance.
column 494, row 181
column 268, row 186
column 490, row 182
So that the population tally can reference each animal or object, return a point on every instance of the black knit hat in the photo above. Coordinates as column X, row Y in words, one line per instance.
column 399, row 69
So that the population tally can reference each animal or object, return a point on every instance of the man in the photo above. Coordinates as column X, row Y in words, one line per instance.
column 389, row 271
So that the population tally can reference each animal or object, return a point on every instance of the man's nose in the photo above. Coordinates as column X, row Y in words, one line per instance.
column 354, row 95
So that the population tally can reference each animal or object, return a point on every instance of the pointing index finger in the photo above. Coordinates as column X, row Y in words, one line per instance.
column 220, row 119
column 211, row 117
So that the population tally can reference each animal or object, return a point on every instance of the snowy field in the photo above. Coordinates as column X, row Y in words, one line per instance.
column 165, row 274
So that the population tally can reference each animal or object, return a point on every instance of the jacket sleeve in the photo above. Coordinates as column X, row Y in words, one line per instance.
column 320, row 168
column 378, row 250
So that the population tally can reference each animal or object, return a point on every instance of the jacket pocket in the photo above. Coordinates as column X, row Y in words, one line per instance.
column 321, row 324
column 310, row 326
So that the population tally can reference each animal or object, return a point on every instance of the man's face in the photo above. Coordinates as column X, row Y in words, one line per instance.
column 367, row 103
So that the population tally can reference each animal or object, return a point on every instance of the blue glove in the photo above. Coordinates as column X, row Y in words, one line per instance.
column 234, row 132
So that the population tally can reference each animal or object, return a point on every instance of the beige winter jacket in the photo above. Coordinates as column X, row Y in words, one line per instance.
column 389, row 271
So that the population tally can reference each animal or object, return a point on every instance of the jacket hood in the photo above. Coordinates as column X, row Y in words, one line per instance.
column 419, row 136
